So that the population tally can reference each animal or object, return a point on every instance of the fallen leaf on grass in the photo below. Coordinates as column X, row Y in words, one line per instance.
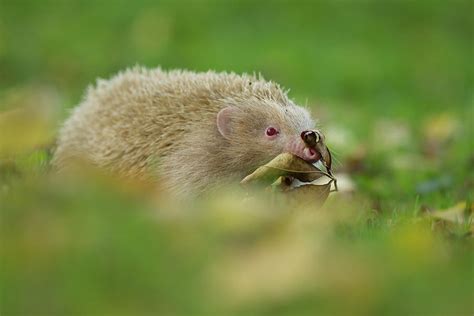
column 28, row 119
column 437, row 132
column 459, row 214
column 22, row 130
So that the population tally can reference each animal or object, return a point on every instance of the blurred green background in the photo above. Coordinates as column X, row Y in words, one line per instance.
column 391, row 83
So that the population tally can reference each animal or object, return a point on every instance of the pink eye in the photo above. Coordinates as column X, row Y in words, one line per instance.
column 271, row 131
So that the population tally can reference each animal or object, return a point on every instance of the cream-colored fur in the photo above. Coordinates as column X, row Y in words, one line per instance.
column 157, row 125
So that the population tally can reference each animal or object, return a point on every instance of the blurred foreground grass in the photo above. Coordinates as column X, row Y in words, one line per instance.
column 95, row 247
column 391, row 83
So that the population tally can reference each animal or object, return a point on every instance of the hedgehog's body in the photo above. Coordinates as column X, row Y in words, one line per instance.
column 191, row 130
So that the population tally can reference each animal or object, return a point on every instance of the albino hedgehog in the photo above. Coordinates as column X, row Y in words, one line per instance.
column 190, row 131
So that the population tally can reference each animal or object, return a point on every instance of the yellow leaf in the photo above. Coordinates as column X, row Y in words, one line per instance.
column 458, row 214
column 22, row 130
column 285, row 164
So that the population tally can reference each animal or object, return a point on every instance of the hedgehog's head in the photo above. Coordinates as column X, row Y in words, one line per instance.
column 259, row 130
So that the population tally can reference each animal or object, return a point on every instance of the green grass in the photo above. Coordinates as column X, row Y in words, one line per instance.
column 391, row 83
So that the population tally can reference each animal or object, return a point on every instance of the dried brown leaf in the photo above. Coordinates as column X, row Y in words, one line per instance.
column 310, row 194
column 285, row 164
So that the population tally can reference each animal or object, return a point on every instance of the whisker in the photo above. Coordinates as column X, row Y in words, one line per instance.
column 335, row 159
column 338, row 163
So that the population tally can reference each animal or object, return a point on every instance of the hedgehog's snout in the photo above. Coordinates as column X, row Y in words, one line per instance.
column 305, row 146
column 310, row 138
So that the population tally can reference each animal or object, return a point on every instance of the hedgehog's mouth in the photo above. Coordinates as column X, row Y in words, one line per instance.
column 299, row 148
column 311, row 155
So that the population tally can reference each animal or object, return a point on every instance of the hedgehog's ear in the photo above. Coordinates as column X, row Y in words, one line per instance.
column 224, row 119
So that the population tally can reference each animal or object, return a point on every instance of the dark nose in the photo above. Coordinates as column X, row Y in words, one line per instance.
column 310, row 138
